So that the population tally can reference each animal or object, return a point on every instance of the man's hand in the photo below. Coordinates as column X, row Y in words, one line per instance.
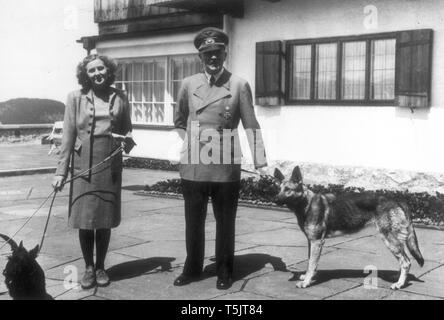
column 58, row 182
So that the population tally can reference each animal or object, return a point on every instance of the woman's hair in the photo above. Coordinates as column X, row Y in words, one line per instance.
column 82, row 75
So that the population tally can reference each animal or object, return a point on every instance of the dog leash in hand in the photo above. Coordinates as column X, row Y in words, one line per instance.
column 54, row 193
column 258, row 174
column 112, row 155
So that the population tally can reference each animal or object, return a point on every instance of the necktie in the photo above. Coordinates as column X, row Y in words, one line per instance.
column 212, row 80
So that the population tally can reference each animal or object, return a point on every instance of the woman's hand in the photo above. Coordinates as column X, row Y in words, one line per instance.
column 58, row 182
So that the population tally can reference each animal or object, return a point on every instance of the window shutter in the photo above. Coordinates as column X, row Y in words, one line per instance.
column 268, row 73
column 413, row 68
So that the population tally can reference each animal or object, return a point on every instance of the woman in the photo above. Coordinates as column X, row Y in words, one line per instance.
column 97, row 120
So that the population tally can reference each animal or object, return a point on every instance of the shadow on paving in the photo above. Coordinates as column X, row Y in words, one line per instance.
column 247, row 264
column 136, row 268
column 337, row 274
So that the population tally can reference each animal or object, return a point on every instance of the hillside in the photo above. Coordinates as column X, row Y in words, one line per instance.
column 30, row 111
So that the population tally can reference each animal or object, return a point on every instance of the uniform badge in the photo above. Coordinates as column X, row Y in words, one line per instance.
column 227, row 115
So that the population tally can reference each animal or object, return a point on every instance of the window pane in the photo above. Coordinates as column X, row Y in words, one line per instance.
column 353, row 70
column 128, row 74
column 159, row 70
column 159, row 92
column 301, row 73
column 383, row 69
column 119, row 72
column 326, row 71
column 148, row 71
column 148, row 92
column 137, row 91
column 148, row 112
column 137, row 71
column 159, row 113
column 137, row 112
column 184, row 66
column 176, row 68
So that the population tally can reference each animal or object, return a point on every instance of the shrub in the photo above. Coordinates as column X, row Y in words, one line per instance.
column 153, row 164
column 427, row 209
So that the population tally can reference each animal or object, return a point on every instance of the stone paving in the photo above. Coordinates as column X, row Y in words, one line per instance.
column 147, row 251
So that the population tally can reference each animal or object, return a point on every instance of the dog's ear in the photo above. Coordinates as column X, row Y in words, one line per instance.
column 34, row 252
column 296, row 176
column 21, row 244
column 278, row 175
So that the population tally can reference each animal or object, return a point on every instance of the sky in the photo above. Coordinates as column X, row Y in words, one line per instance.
column 38, row 48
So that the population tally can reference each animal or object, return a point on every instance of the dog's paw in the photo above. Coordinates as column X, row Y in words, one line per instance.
column 397, row 286
column 302, row 277
column 302, row 284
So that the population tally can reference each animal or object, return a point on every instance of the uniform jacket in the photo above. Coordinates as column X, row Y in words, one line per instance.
column 79, row 120
column 211, row 115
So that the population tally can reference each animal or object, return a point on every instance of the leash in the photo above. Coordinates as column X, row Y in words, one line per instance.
column 258, row 174
column 54, row 193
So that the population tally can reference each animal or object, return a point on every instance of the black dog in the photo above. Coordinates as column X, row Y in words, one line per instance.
column 24, row 277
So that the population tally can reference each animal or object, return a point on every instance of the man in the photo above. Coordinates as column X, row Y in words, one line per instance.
column 210, row 106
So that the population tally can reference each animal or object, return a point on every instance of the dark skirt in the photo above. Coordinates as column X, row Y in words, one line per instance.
column 95, row 199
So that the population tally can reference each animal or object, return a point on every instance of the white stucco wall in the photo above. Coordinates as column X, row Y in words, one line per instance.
column 386, row 137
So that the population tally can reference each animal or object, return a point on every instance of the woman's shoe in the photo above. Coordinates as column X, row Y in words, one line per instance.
column 102, row 278
column 89, row 278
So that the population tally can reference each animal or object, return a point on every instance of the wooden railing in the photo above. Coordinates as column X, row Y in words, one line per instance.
column 116, row 10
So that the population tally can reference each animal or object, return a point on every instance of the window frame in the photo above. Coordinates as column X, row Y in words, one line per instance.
column 368, row 38
column 167, row 125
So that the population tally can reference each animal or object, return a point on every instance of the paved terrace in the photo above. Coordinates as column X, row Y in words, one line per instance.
column 147, row 250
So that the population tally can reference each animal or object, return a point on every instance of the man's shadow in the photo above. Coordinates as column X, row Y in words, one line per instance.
column 322, row 276
column 247, row 264
column 135, row 268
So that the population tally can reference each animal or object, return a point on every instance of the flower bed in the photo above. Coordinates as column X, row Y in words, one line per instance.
column 426, row 209
column 153, row 164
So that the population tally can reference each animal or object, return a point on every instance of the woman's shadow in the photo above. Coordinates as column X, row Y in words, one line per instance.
column 136, row 268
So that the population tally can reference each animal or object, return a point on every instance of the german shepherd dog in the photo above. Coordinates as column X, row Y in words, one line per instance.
column 24, row 277
column 323, row 215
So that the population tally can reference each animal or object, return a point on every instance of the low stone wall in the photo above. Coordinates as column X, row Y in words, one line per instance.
column 23, row 132
column 368, row 178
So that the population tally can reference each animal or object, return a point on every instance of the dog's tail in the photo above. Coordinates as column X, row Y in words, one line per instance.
column 11, row 242
column 412, row 240
column 412, row 244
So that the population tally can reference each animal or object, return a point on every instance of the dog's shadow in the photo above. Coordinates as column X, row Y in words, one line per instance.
column 136, row 268
column 322, row 276
column 247, row 264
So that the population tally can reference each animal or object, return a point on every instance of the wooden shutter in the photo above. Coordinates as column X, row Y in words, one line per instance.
column 413, row 68
column 268, row 73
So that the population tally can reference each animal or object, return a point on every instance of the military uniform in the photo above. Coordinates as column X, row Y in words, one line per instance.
column 210, row 157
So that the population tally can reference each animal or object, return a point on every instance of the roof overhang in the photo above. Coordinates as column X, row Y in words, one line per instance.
column 234, row 8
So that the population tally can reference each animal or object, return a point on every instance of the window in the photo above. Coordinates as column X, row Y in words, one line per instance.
column 325, row 84
column 301, row 85
column 358, row 69
column 392, row 68
column 152, row 85
column 383, row 69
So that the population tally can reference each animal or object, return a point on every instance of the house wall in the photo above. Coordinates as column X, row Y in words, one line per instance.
column 364, row 136
column 352, row 136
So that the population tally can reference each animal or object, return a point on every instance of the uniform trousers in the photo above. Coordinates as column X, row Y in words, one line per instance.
column 224, row 197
